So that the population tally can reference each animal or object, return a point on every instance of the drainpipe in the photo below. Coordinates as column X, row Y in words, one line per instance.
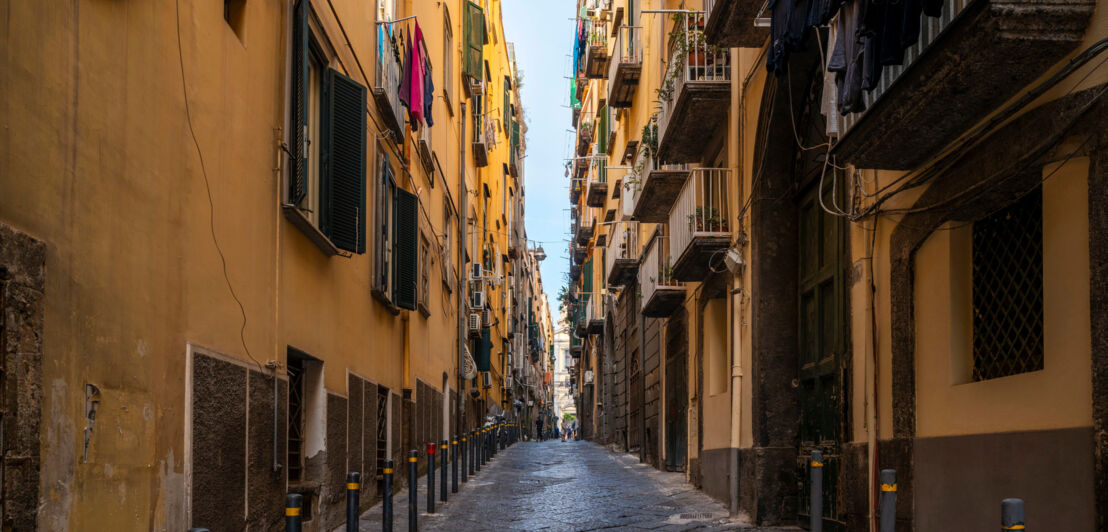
column 642, row 381
column 736, row 396
column 463, row 229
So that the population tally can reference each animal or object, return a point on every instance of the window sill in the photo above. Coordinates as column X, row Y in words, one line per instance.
column 384, row 300
column 294, row 215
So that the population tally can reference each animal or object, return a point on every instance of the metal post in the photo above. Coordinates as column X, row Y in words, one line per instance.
column 199, row 530
column 353, row 488
column 413, row 493
column 1012, row 515
column 815, row 501
column 293, row 502
column 888, row 500
column 454, row 465
column 386, row 499
column 479, row 454
column 465, row 461
column 430, row 478
column 445, row 454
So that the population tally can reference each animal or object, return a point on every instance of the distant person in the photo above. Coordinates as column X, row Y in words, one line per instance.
column 538, row 425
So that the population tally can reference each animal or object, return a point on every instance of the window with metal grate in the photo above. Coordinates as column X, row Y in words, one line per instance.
column 1008, row 290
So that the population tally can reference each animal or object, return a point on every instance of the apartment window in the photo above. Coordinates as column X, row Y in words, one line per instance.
column 447, row 56
column 1008, row 290
column 448, row 244
column 306, row 403
column 424, row 275
column 234, row 12
column 396, row 233
column 326, row 177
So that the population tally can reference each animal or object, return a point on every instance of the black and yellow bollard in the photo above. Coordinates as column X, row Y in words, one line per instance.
column 413, row 491
column 465, row 461
column 815, row 502
column 887, row 505
column 454, row 465
column 353, row 489
column 478, row 453
column 293, row 502
column 1012, row 515
column 386, row 498
column 199, row 530
column 430, row 478
column 444, row 453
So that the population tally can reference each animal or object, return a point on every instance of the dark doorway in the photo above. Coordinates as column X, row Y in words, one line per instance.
column 677, row 386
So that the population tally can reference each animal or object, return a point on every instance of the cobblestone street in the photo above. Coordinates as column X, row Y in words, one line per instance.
column 556, row 485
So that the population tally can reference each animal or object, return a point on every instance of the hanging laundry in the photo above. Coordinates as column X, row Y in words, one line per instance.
column 405, row 80
column 428, row 93
column 415, row 75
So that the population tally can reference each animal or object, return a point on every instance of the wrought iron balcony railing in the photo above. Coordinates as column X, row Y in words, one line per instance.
column 625, row 66
column 695, row 93
column 386, row 81
column 699, row 222
column 662, row 293
column 622, row 258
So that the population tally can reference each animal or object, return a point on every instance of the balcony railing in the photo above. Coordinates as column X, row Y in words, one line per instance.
column 484, row 137
column 386, row 82
column 976, row 55
column 661, row 292
column 733, row 23
column 622, row 262
column 586, row 226
column 695, row 93
column 700, row 222
column 596, row 55
column 625, row 66
column 597, row 181
column 586, row 132
column 658, row 188
column 594, row 313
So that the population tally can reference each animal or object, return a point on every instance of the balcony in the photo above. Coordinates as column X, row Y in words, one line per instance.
column 578, row 253
column 969, row 60
column 595, row 311
column 597, row 193
column 661, row 292
column 586, row 226
column 515, row 151
column 586, row 129
column 386, row 85
column 731, row 23
column 657, row 190
column 695, row 94
column 596, row 53
column 625, row 69
column 426, row 148
column 575, row 190
column 622, row 257
column 580, row 314
column 700, row 223
column 484, row 138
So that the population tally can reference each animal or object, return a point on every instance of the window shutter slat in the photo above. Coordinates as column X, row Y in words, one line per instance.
column 298, row 171
column 475, row 40
column 405, row 249
column 344, row 164
column 484, row 351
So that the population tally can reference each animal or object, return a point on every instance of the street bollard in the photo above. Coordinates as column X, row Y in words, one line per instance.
column 413, row 492
column 293, row 502
column 815, row 503
column 454, row 465
column 445, row 454
column 386, row 499
column 199, row 530
column 888, row 500
column 472, row 453
column 430, row 478
column 465, row 472
column 353, row 488
column 1012, row 515
column 478, row 454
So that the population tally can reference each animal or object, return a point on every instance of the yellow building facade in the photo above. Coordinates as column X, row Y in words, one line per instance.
column 236, row 265
column 899, row 270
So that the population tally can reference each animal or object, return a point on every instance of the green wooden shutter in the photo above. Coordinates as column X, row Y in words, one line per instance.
column 507, row 107
column 588, row 276
column 343, row 170
column 405, row 255
column 483, row 360
column 602, row 142
column 298, row 121
column 475, row 40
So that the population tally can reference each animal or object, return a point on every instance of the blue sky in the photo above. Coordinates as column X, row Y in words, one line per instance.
column 542, row 31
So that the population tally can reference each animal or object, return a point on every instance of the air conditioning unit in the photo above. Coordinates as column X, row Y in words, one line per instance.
column 486, row 380
column 486, row 317
column 474, row 323
column 508, row 381
column 477, row 299
column 477, row 271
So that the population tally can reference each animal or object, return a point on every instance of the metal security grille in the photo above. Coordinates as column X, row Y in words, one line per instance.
column 1008, row 290
column 296, row 419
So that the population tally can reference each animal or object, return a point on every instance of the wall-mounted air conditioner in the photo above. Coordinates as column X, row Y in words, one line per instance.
column 477, row 299
column 486, row 380
column 475, row 323
column 486, row 317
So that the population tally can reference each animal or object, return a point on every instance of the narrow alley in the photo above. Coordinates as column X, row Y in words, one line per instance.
column 572, row 485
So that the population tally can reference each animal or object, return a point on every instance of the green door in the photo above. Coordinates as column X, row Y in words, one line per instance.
column 822, row 337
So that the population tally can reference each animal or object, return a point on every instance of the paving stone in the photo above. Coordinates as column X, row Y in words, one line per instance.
column 566, row 486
